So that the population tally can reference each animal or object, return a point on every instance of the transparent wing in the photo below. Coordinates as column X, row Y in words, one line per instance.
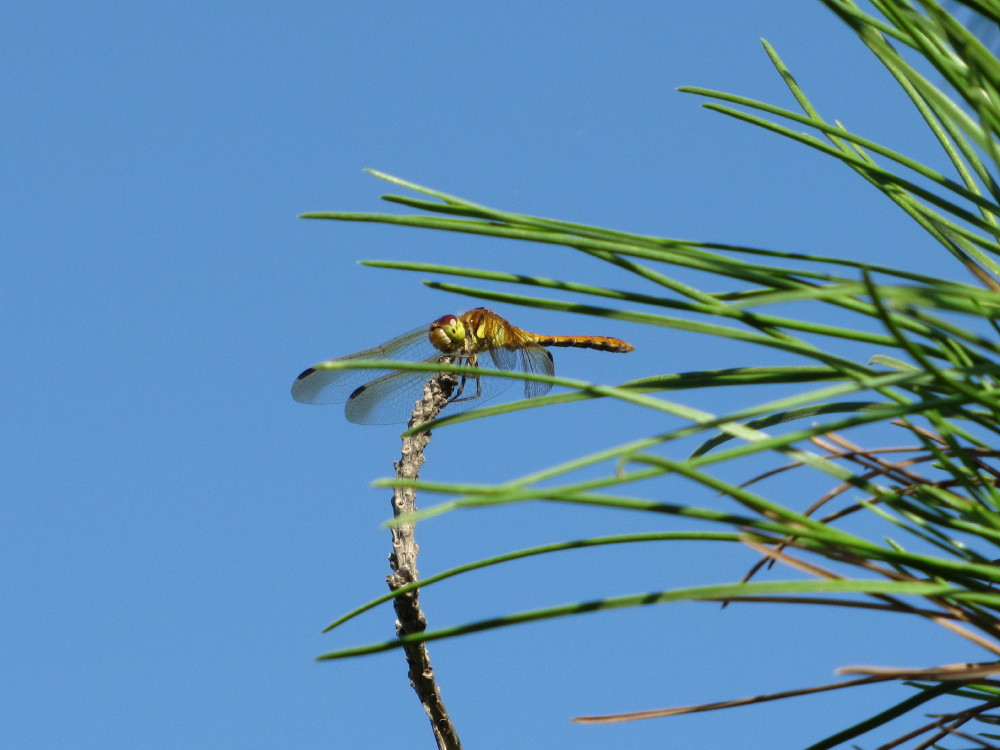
column 536, row 360
column 319, row 386
column 519, row 354
column 390, row 399
column 530, row 358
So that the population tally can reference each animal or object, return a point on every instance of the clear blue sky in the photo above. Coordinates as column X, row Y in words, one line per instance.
column 176, row 530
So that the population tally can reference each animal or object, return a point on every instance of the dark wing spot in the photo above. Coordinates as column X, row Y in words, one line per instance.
column 357, row 392
column 306, row 373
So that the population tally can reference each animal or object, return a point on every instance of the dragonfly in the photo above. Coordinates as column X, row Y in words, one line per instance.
column 388, row 396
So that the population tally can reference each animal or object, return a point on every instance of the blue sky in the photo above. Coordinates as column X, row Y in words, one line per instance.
column 177, row 530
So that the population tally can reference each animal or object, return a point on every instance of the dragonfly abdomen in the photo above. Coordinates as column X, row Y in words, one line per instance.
column 601, row 343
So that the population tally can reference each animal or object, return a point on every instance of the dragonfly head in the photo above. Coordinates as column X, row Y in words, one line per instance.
column 447, row 334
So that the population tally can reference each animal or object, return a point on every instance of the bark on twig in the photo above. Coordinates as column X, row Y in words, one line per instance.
column 403, row 562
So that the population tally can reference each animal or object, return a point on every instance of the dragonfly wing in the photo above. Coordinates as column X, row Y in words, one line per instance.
column 388, row 399
column 318, row 385
column 536, row 360
column 530, row 358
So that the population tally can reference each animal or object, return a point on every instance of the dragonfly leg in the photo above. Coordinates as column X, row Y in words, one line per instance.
column 457, row 395
column 461, row 386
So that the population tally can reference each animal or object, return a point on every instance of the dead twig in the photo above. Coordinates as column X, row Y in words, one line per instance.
column 403, row 562
column 678, row 710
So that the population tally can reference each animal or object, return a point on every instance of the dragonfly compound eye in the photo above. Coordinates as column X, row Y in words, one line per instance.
column 447, row 334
